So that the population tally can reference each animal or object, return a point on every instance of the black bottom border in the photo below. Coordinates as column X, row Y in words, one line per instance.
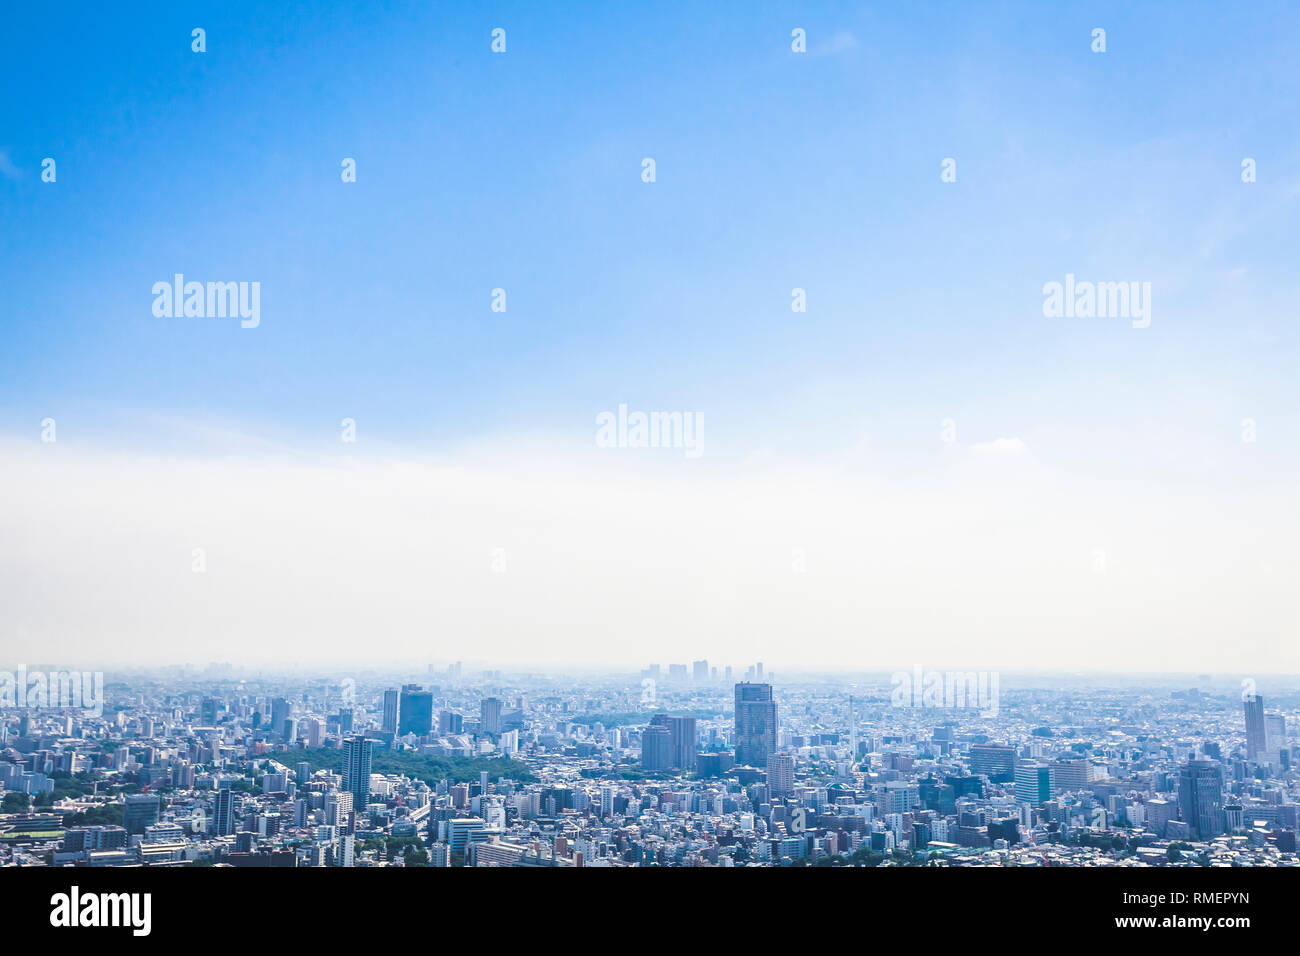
column 366, row 904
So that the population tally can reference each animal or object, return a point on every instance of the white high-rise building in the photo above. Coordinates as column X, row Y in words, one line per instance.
column 780, row 775
column 853, row 734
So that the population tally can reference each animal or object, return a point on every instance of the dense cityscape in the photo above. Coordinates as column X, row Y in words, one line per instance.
column 685, row 765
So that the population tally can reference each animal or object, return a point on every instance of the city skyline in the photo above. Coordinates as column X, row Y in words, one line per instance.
column 285, row 774
column 747, row 435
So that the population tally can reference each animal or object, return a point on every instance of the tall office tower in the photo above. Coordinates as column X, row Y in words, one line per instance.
column 755, row 723
column 450, row 722
column 280, row 710
column 681, row 742
column 415, row 711
column 490, row 715
column 996, row 761
column 345, row 720
column 139, row 811
column 656, row 748
column 607, row 800
column 208, row 712
column 853, row 733
column 1200, row 798
column 223, row 811
column 1256, row 735
column 677, row 672
column 390, row 711
column 303, row 772
column 780, row 775
column 290, row 730
column 700, row 670
column 315, row 732
column 1033, row 783
column 356, row 770
column 1274, row 732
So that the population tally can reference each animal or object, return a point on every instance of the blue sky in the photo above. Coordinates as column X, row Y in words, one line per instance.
column 775, row 170
column 521, row 171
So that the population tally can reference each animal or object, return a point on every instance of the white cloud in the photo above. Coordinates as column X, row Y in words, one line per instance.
column 611, row 560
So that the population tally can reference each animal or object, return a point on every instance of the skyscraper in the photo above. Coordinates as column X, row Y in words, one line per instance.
column 1033, row 783
column 755, row 723
column 853, row 733
column 1256, row 736
column 450, row 722
column 780, row 774
column 356, row 770
column 681, row 740
column 490, row 715
column 338, row 809
column 280, row 711
column 1200, row 798
column 1274, row 732
column 415, row 711
column 390, row 711
column 656, row 748
column 223, row 811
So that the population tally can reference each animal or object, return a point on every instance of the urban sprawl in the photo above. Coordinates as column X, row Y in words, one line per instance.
column 684, row 766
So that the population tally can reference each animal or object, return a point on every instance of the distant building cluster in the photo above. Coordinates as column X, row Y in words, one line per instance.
column 695, row 768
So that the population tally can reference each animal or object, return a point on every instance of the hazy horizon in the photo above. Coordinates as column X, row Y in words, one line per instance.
column 402, row 457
